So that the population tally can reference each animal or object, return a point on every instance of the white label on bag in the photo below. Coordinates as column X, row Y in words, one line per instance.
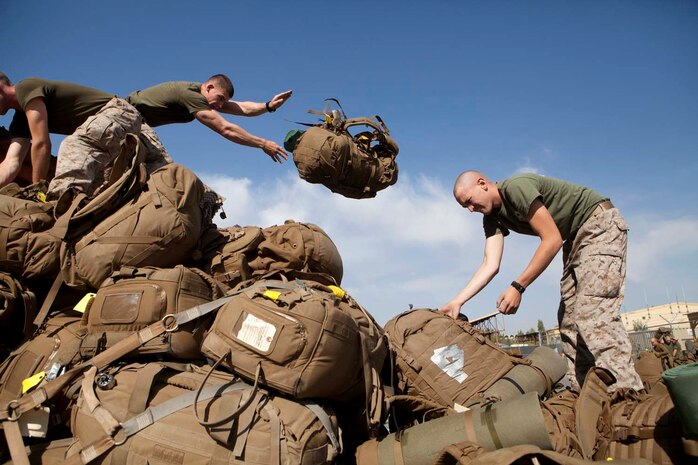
column 256, row 333
column 450, row 360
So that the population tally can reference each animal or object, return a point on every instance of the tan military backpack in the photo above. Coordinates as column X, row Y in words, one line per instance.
column 240, row 253
column 173, row 413
column 647, row 426
column 17, row 310
column 160, row 227
column 26, row 249
column 133, row 298
column 51, row 352
column 441, row 361
column 310, row 340
column 353, row 165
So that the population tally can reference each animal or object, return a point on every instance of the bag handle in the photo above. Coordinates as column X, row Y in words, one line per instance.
column 240, row 409
column 146, row 418
column 169, row 323
column 378, row 126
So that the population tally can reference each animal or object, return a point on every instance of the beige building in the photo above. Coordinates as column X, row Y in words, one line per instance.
column 680, row 317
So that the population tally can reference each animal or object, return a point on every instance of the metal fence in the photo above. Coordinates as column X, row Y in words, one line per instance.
column 640, row 340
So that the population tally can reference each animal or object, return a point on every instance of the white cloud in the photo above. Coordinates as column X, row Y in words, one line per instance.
column 413, row 244
column 660, row 244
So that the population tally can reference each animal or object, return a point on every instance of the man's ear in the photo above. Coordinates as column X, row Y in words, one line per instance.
column 482, row 183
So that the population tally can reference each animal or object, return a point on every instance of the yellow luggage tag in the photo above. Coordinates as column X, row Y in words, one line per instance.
column 82, row 305
column 41, row 196
column 32, row 381
column 273, row 295
column 338, row 291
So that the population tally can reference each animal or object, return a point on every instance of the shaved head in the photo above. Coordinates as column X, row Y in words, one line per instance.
column 475, row 192
column 466, row 179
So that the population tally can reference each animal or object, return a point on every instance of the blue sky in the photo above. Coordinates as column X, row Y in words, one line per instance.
column 601, row 93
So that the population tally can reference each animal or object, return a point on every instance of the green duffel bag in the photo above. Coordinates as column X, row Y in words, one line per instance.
column 682, row 382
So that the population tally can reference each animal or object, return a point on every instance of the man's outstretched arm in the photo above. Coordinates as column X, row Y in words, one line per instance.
column 11, row 165
column 550, row 243
column 488, row 269
column 232, row 107
column 236, row 134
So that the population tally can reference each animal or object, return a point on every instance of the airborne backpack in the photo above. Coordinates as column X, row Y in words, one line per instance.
column 357, row 165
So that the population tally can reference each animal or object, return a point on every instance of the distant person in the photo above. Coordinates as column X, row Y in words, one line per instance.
column 593, row 236
column 184, row 101
column 662, row 352
column 94, row 121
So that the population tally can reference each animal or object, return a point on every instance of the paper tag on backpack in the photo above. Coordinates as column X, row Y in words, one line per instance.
column 450, row 360
column 256, row 333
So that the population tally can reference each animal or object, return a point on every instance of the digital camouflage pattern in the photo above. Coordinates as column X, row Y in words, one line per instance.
column 592, row 289
column 85, row 157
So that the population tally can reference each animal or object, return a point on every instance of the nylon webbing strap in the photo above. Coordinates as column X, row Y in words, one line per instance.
column 160, row 411
column 514, row 383
column 327, row 423
column 152, row 415
column 489, row 420
column 245, row 420
column 275, row 436
column 118, row 350
column 397, row 451
column 48, row 301
column 62, row 225
column 15, row 443
column 4, row 235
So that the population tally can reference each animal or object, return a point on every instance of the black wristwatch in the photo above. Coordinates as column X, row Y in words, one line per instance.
column 269, row 109
column 518, row 287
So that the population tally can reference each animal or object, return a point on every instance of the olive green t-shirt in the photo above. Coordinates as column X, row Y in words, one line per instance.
column 169, row 102
column 569, row 204
column 68, row 105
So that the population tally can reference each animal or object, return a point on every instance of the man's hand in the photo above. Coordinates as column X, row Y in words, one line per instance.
column 451, row 309
column 279, row 99
column 277, row 153
column 508, row 303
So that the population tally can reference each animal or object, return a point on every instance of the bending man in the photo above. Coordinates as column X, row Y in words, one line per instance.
column 593, row 236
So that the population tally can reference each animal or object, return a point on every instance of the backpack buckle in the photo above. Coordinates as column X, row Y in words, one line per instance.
column 169, row 321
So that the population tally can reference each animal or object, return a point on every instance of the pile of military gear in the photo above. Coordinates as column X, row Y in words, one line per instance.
column 137, row 332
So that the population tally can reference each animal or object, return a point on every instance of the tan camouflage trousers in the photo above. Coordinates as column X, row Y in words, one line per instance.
column 85, row 157
column 591, row 290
